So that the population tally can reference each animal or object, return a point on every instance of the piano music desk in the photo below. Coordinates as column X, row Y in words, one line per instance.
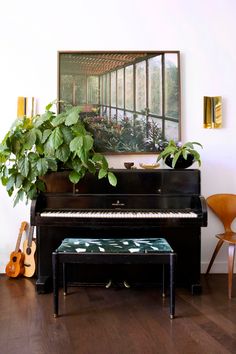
column 114, row 251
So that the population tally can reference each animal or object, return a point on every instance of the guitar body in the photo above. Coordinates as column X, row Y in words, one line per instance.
column 15, row 267
column 29, row 259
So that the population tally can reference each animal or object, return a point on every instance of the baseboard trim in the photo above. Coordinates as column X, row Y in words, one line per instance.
column 217, row 267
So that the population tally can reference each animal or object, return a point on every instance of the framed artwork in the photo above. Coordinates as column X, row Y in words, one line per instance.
column 129, row 100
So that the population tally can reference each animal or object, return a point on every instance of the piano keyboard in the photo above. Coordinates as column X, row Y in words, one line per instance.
column 119, row 214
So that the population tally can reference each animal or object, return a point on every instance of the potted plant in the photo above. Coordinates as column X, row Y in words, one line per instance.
column 179, row 155
column 44, row 143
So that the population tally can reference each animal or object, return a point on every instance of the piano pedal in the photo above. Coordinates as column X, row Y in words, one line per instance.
column 108, row 285
column 117, row 284
column 126, row 284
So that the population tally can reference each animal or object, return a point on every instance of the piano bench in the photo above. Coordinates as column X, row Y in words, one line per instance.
column 113, row 251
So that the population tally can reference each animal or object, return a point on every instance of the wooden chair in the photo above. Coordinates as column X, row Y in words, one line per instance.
column 224, row 206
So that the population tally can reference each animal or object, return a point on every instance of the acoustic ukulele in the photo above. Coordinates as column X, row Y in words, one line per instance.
column 29, row 248
column 15, row 267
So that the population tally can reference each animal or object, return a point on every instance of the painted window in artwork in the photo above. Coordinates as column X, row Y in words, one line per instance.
column 155, row 85
column 113, row 88
column 140, row 93
column 129, row 87
column 171, row 86
column 93, row 90
column 120, row 88
column 79, row 89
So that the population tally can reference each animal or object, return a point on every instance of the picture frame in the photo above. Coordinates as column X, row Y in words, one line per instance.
column 129, row 100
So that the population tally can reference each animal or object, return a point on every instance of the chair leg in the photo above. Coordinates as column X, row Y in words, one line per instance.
column 231, row 255
column 218, row 246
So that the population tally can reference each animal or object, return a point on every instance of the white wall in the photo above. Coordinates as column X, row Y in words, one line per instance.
column 31, row 33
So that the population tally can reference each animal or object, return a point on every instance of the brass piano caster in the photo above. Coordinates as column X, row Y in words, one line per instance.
column 108, row 285
column 126, row 284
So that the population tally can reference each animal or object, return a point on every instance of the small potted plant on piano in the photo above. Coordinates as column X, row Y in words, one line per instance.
column 178, row 154
column 45, row 143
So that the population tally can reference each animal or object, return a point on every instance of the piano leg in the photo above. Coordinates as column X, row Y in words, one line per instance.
column 44, row 284
column 196, row 289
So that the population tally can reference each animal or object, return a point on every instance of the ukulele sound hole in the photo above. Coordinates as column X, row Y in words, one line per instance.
column 14, row 259
column 28, row 251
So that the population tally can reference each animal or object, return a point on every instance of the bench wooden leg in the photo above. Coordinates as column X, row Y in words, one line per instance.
column 64, row 279
column 172, row 286
column 55, row 282
column 163, row 281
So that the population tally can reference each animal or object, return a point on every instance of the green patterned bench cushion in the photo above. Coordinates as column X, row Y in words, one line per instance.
column 123, row 245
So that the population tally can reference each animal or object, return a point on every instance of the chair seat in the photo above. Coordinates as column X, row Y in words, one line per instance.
column 229, row 237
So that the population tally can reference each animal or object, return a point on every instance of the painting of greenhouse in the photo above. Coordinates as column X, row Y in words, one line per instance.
column 129, row 100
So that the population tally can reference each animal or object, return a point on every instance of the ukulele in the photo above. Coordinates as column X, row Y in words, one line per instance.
column 29, row 248
column 15, row 266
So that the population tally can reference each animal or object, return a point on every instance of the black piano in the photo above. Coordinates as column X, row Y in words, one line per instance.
column 145, row 203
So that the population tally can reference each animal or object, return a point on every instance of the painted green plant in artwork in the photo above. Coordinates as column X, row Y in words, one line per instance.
column 44, row 143
column 123, row 135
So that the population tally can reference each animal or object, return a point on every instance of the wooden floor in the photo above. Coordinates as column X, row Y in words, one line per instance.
column 116, row 321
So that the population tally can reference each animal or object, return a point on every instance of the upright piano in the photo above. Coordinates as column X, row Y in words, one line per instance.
column 145, row 203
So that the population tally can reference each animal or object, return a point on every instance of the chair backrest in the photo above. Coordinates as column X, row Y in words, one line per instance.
column 224, row 206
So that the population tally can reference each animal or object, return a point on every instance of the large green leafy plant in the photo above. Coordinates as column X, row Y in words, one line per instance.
column 44, row 143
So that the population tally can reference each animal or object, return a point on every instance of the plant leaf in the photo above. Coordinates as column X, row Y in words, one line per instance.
column 24, row 166
column 56, row 138
column 67, row 134
column 63, row 153
column 32, row 192
column 49, row 106
column 10, row 182
column 39, row 135
column 74, row 177
column 52, row 164
column 88, row 142
column 42, row 166
column 112, row 179
column 175, row 158
column 97, row 157
column 91, row 166
column 19, row 196
column 76, row 164
column 76, row 143
column 43, row 118
column 46, row 134
column 72, row 117
column 47, row 149
column 40, row 185
column 30, row 139
column 83, row 156
column 102, row 173
column 59, row 119
column 19, row 180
